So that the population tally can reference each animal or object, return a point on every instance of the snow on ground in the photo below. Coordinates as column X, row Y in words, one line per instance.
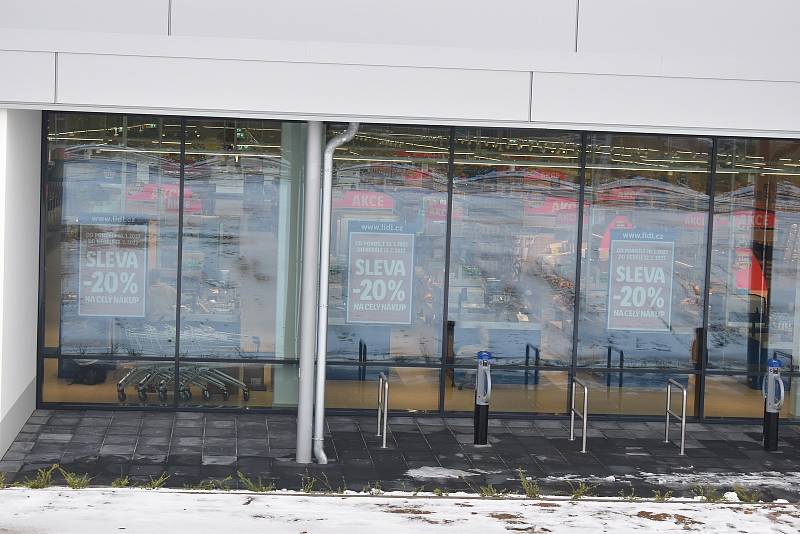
column 92, row 511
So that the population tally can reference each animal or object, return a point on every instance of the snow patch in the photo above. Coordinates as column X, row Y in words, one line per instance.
column 437, row 472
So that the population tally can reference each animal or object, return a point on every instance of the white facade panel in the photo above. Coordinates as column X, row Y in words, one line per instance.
column 26, row 76
column 20, row 180
column 734, row 28
column 530, row 25
column 639, row 101
column 198, row 84
column 141, row 16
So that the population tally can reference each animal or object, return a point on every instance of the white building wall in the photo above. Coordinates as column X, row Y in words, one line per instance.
column 20, row 180
column 659, row 65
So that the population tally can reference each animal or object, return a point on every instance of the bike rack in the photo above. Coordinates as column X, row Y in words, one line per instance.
column 573, row 412
column 536, row 360
column 682, row 417
column 383, row 407
column 608, row 365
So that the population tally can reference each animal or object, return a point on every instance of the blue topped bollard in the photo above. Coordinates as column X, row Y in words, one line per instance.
column 483, row 392
column 772, row 388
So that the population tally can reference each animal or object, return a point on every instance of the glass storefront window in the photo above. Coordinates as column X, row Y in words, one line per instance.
column 643, row 252
column 355, row 387
column 113, row 195
column 734, row 396
column 512, row 253
column 635, row 393
column 389, row 215
column 754, row 301
column 500, row 207
column 513, row 390
column 241, row 231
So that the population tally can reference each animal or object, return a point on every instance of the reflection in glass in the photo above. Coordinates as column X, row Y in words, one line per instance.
column 387, row 246
column 513, row 390
column 236, row 385
column 410, row 388
column 241, row 236
column 72, row 381
column 643, row 256
column 512, row 259
column 734, row 396
column 635, row 393
column 110, row 245
column 755, row 267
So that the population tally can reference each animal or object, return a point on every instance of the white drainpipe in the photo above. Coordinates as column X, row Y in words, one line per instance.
column 324, row 267
column 308, row 291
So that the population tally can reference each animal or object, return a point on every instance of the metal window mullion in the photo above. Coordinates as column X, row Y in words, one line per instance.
column 447, row 247
column 578, row 265
column 42, row 255
column 701, row 378
column 179, row 266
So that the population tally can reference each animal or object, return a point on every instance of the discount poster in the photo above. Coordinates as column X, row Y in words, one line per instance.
column 640, row 280
column 113, row 266
column 380, row 273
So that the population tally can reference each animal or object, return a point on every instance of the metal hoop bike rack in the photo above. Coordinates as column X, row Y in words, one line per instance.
column 583, row 415
column 682, row 417
column 383, row 407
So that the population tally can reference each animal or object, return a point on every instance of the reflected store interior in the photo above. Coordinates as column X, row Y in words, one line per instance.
column 171, row 249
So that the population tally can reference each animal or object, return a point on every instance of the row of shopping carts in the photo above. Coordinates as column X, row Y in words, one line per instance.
column 161, row 377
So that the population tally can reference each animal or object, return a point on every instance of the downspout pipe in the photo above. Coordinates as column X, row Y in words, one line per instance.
column 308, row 291
column 324, row 267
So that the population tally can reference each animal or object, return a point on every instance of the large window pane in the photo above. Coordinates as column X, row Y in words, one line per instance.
column 512, row 259
column 635, row 393
column 644, row 251
column 410, row 388
column 241, row 237
column 755, row 302
column 513, row 390
column 734, row 396
column 111, row 243
column 387, row 248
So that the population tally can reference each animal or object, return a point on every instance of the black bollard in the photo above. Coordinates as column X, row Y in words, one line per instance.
column 483, row 391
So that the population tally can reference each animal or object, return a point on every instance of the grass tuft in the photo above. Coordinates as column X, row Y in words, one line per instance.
column 748, row 496
column 630, row 497
column 121, row 481
column 662, row 496
column 156, row 483
column 307, row 483
column 43, row 478
column 74, row 480
column 529, row 487
column 255, row 486
column 3, row 484
column 709, row 493
column 581, row 490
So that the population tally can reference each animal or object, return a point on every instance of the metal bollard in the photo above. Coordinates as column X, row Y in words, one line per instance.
column 583, row 415
column 383, row 408
column 483, row 392
column 772, row 388
column 682, row 417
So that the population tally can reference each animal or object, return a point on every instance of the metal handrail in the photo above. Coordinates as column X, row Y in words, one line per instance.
column 383, row 407
column 608, row 365
column 682, row 417
column 536, row 361
column 584, row 416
